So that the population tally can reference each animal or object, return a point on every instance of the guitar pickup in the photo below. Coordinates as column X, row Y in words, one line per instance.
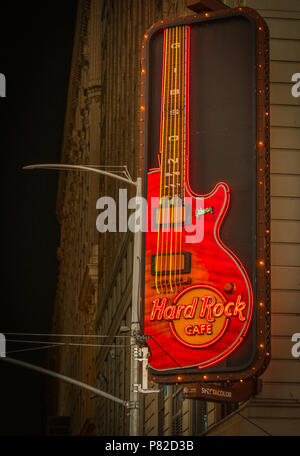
column 166, row 263
column 171, row 216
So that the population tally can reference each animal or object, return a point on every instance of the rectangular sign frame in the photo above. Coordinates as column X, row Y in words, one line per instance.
column 262, row 305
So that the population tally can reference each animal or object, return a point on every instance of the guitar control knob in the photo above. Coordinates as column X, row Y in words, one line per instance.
column 229, row 287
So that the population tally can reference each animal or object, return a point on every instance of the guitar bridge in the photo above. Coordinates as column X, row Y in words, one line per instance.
column 166, row 285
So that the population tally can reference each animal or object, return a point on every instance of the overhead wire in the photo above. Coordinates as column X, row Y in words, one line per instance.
column 63, row 335
column 64, row 343
column 43, row 347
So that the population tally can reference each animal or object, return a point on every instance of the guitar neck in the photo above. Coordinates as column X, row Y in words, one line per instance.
column 174, row 109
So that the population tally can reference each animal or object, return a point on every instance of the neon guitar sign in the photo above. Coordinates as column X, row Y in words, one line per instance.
column 198, row 297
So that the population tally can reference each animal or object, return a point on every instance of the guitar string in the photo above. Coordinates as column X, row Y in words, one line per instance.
column 167, row 180
column 186, row 108
column 176, row 170
column 173, row 166
column 173, row 145
column 181, row 154
column 184, row 129
column 182, row 150
column 162, row 145
column 177, row 162
column 182, row 45
column 166, row 153
column 166, row 224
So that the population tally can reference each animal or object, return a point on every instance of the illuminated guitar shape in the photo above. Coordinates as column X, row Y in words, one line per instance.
column 198, row 298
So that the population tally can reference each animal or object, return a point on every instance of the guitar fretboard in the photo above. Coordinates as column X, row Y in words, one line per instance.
column 174, row 100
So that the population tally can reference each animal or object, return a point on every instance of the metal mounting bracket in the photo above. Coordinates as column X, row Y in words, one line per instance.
column 139, row 389
column 132, row 405
column 205, row 5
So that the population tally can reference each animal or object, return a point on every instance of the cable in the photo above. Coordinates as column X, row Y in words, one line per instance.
column 165, row 351
column 236, row 412
column 63, row 343
column 254, row 424
column 61, row 335
column 32, row 349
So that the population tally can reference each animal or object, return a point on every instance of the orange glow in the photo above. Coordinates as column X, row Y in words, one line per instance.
column 261, row 345
column 261, row 262
column 143, row 108
column 143, row 71
column 260, row 143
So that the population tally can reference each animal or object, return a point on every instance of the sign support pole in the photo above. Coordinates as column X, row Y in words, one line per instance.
column 135, row 327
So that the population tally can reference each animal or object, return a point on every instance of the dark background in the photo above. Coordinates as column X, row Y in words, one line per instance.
column 35, row 57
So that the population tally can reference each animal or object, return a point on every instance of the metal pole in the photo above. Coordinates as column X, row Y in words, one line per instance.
column 135, row 327
column 41, row 370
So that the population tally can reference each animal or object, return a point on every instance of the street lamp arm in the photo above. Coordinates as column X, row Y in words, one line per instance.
column 133, row 404
column 64, row 378
column 63, row 166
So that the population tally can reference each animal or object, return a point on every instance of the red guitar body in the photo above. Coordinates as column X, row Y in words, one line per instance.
column 200, row 335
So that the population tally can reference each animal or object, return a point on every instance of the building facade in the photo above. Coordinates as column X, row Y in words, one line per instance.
column 95, row 276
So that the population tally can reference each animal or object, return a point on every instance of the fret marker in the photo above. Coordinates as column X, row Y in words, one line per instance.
column 175, row 45
column 177, row 173
column 174, row 92
column 173, row 138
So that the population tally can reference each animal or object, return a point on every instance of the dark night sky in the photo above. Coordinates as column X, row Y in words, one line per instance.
column 35, row 56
